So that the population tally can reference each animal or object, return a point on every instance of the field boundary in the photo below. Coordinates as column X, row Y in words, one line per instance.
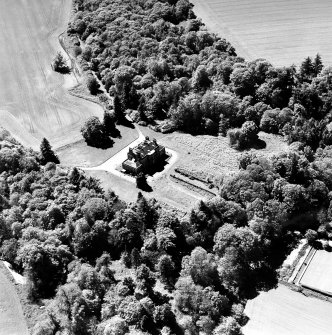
column 72, row 61
column 192, row 187
column 304, row 266
column 306, row 291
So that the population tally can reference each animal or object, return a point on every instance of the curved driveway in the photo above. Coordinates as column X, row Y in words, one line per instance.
column 115, row 161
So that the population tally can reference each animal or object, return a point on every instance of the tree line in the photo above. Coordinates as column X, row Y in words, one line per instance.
column 64, row 233
column 159, row 60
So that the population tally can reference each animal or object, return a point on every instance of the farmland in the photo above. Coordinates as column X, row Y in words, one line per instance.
column 318, row 274
column 283, row 311
column 34, row 102
column 284, row 32
column 11, row 315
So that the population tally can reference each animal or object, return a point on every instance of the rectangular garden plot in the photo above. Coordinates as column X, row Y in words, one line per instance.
column 318, row 275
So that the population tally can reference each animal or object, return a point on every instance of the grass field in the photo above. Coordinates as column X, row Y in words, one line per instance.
column 282, row 31
column 164, row 190
column 285, row 312
column 318, row 275
column 12, row 321
column 34, row 102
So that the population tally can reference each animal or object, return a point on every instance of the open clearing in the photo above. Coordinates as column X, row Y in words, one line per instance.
column 206, row 156
column 212, row 156
column 285, row 312
column 34, row 102
column 318, row 275
column 283, row 31
column 12, row 321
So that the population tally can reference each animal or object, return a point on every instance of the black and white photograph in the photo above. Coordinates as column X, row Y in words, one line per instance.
column 165, row 167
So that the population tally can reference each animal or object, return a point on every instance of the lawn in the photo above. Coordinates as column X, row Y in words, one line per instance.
column 34, row 101
column 318, row 275
column 80, row 154
column 165, row 191
column 284, row 312
column 284, row 32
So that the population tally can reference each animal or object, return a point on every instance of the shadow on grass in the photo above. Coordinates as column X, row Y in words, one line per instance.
column 115, row 133
column 259, row 144
column 158, row 167
column 63, row 70
column 126, row 123
column 145, row 187
column 104, row 144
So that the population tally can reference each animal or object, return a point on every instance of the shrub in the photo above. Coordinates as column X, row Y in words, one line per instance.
column 60, row 64
column 94, row 133
column 92, row 85
column 245, row 137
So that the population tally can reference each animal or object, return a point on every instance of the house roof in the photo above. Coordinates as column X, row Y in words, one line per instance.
column 131, row 162
column 147, row 147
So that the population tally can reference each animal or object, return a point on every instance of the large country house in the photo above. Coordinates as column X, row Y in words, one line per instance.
column 144, row 157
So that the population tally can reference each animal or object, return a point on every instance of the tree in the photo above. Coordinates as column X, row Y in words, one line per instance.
column 269, row 121
column 244, row 137
column 144, row 279
column 109, row 123
column 44, row 264
column 307, row 68
column 141, row 181
column 229, row 326
column 201, row 78
column 311, row 236
column 60, row 64
column 166, row 269
column 163, row 315
column 318, row 65
column 75, row 176
column 135, row 258
column 94, row 134
column 116, row 326
column 70, row 310
column 92, row 85
column 46, row 153
column 119, row 111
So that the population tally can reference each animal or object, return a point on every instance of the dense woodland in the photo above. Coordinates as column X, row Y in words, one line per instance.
column 192, row 274
column 158, row 59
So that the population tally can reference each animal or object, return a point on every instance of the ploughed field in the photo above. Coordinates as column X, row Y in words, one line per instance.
column 282, row 31
column 34, row 102
column 11, row 315
column 284, row 312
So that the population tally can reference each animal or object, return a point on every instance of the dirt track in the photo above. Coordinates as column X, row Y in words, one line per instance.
column 33, row 100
